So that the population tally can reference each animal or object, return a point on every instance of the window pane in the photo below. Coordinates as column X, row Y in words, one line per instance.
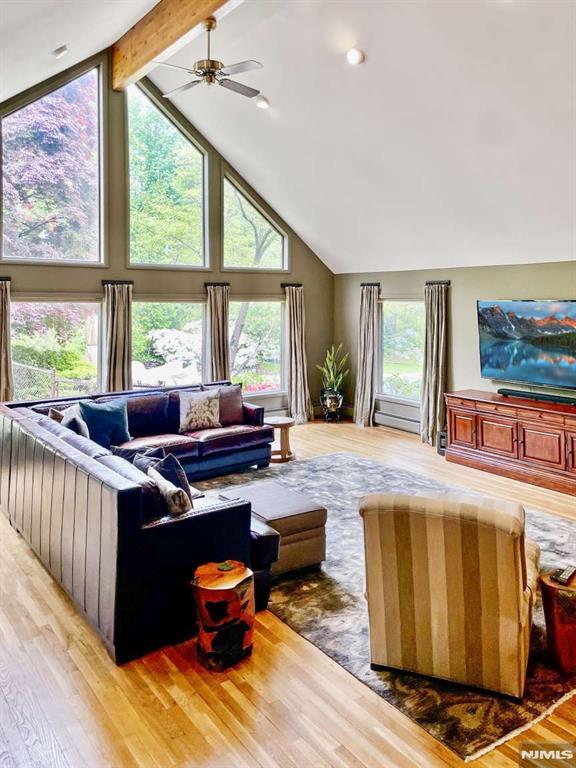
column 55, row 348
column 50, row 175
column 256, row 344
column 249, row 238
column 166, row 343
column 403, row 326
column 166, row 189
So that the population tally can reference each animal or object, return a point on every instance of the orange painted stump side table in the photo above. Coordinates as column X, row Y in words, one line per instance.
column 224, row 595
column 560, row 610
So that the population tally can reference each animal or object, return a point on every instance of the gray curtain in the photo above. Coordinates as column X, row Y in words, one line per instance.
column 218, row 302
column 118, row 319
column 299, row 402
column 433, row 412
column 6, row 378
column 367, row 356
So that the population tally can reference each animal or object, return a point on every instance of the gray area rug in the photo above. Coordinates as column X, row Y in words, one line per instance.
column 327, row 607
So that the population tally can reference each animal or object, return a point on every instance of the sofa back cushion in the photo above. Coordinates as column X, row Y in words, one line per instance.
column 148, row 415
column 174, row 408
column 230, row 403
column 152, row 503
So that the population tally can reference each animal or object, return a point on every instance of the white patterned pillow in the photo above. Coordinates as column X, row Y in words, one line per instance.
column 199, row 410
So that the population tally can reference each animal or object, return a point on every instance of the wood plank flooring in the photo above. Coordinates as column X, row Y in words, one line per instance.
column 64, row 703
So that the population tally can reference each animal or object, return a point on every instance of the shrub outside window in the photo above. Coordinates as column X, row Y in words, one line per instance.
column 55, row 348
column 251, row 241
column 51, row 176
column 256, row 348
column 167, row 343
column 403, row 329
column 166, row 189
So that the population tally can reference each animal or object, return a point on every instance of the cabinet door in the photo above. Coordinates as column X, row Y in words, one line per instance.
column 540, row 444
column 462, row 428
column 498, row 436
column 570, row 438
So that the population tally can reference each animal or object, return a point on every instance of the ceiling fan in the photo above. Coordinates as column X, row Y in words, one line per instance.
column 211, row 71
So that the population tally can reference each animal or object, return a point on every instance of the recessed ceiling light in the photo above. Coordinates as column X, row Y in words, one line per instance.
column 355, row 56
column 262, row 102
column 59, row 52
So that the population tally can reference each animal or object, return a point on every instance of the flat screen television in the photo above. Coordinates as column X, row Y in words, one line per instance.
column 530, row 342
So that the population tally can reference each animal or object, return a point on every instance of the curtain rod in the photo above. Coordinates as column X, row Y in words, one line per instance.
column 369, row 284
column 290, row 285
column 207, row 284
column 117, row 282
column 437, row 282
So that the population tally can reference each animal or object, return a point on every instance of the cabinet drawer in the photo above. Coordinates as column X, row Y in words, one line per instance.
column 540, row 444
column 498, row 436
column 505, row 410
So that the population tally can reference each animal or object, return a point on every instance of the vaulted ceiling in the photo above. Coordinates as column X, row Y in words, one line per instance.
column 454, row 144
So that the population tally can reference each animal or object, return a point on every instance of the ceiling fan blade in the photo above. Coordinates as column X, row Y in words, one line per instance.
column 174, row 66
column 182, row 88
column 241, row 66
column 243, row 90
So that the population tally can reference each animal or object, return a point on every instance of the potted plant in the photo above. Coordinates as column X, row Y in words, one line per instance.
column 333, row 372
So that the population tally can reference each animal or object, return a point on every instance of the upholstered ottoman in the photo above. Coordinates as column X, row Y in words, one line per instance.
column 299, row 520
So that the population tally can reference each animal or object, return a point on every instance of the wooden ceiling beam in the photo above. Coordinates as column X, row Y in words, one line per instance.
column 165, row 29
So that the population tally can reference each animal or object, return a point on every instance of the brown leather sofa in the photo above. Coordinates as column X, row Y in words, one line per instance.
column 90, row 518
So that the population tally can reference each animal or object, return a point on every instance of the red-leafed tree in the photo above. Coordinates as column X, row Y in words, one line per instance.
column 50, row 175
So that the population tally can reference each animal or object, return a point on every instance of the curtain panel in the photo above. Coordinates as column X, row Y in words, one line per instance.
column 6, row 376
column 367, row 355
column 218, row 304
column 300, row 405
column 118, row 319
column 433, row 407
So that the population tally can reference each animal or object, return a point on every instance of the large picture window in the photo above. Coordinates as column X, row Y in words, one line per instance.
column 250, row 240
column 166, row 189
column 167, row 343
column 403, row 328
column 55, row 348
column 51, row 176
column 256, row 344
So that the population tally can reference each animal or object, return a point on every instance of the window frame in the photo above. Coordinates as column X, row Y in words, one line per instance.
column 71, row 298
column 283, row 367
column 229, row 176
column 165, row 111
column 20, row 101
column 379, row 394
column 170, row 299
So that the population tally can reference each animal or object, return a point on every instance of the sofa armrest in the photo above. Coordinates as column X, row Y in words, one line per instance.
column 253, row 414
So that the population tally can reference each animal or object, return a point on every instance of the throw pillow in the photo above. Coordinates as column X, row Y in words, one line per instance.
column 199, row 410
column 230, row 404
column 71, row 419
column 143, row 461
column 107, row 422
column 130, row 453
column 177, row 502
column 171, row 469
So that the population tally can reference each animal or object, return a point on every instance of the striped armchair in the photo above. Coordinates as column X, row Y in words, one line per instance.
column 450, row 583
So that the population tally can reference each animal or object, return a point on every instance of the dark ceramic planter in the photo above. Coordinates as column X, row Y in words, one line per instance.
column 331, row 401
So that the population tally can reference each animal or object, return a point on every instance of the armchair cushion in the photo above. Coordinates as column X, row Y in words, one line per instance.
column 171, row 443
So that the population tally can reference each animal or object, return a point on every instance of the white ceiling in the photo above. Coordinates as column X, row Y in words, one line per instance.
column 453, row 145
column 31, row 29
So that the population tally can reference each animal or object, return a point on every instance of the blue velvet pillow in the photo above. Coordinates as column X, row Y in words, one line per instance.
column 107, row 422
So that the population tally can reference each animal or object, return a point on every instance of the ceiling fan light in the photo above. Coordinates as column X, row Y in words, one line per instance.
column 262, row 102
column 355, row 56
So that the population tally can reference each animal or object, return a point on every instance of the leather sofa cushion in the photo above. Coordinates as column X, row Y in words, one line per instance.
column 174, row 407
column 172, row 443
column 230, row 403
column 89, row 447
column 147, row 415
column 287, row 511
column 231, row 438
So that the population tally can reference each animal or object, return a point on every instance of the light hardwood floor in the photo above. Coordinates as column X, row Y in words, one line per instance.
column 64, row 703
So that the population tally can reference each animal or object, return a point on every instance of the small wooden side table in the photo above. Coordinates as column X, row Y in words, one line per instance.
column 284, row 424
column 559, row 602
column 224, row 595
